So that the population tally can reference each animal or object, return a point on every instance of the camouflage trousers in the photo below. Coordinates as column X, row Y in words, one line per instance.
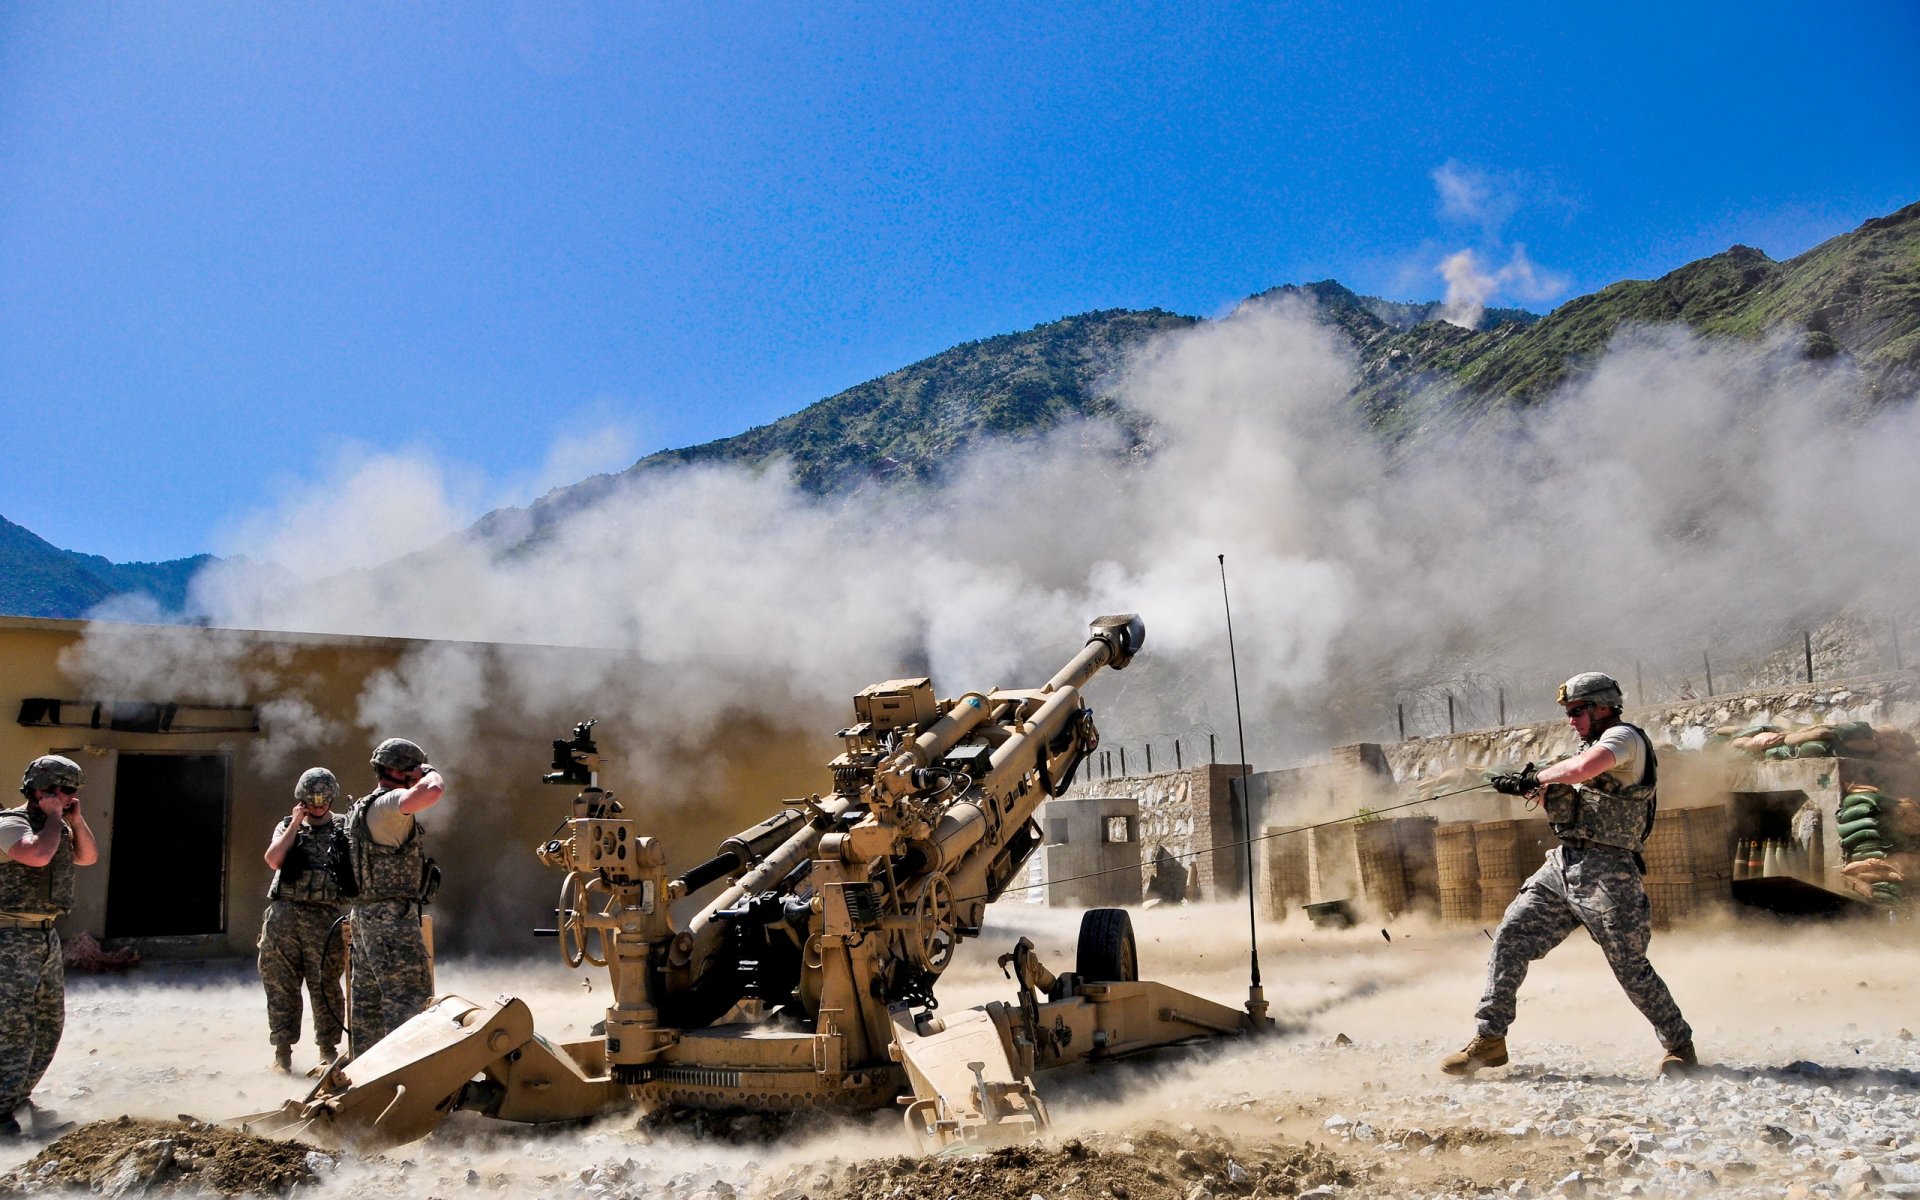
column 299, row 943
column 1598, row 887
column 392, row 979
column 33, row 1010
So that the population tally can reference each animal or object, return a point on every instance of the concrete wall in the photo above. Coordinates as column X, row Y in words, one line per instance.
column 1088, row 868
column 307, row 690
column 1188, row 811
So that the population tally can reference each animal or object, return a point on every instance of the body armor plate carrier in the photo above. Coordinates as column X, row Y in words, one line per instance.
column 37, row 891
column 387, row 872
column 310, row 873
column 1605, row 812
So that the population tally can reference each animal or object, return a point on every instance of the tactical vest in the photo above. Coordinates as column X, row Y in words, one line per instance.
column 385, row 872
column 37, row 891
column 1605, row 812
column 306, row 873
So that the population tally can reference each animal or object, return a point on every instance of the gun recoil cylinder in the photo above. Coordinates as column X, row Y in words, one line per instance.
column 742, row 850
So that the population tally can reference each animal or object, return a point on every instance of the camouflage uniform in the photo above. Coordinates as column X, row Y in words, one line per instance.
column 300, row 941
column 1593, row 879
column 392, row 977
column 33, row 990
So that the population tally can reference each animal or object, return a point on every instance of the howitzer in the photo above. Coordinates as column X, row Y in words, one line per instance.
column 806, row 981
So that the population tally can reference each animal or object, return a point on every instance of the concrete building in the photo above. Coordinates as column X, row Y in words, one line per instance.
column 190, row 761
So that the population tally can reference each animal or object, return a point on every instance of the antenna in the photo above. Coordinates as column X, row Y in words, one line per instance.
column 1256, row 995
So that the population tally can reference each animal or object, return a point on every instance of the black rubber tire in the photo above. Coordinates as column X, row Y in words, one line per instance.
column 1106, row 953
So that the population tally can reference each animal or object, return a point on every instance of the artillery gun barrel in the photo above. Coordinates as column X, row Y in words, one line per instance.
column 747, row 846
column 1114, row 642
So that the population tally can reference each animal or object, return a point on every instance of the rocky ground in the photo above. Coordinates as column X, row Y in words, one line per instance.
column 1811, row 1088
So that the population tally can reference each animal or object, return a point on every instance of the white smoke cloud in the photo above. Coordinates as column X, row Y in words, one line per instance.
column 1488, row 200
column 1470, row 285
column 1679, row 489
column 365, row 508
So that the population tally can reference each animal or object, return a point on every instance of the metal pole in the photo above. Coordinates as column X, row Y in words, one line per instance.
column 1639, row 684
column 1897, row 664
column 1213, row 759
column 1177, row 764
column 1401, row 711
column 1450, row 729
column 1707, row 661
column 1806, row 639
column 1149, row 758
column 1255, row 996
column 1503, row 706
column 1123, row 762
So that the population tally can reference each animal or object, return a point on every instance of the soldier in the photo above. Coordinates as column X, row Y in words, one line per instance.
column 300, row 940
column 1600, row 803
column 44, row 839
column 392, row 978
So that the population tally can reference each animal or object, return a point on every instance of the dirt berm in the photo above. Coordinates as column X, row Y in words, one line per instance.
column 131, row 1157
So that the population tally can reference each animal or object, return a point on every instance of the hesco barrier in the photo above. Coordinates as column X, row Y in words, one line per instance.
column 1456, row 871
column 1508, row 852
column 1397, row 863
column 1694, row 842
column 1689, row 862
column 1289, row 878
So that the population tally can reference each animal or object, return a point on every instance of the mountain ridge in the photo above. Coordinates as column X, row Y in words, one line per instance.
column 1854, row 297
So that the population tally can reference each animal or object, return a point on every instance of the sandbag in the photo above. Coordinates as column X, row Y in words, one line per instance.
column 1811, row 733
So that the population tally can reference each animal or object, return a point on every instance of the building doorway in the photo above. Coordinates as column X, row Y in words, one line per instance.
column 167, row 875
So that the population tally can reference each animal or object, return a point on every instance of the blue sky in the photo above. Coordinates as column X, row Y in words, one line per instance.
column 242, row 245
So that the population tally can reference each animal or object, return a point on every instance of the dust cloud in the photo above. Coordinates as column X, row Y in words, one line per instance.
column 167, row 1041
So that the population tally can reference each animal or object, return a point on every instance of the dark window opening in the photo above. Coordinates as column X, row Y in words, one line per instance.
column 167, row 876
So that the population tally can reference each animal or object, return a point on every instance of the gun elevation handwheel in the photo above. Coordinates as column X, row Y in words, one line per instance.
column 933, row 923
column 576, row 901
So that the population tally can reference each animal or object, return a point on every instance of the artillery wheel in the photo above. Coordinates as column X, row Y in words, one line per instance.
column 1106, row 953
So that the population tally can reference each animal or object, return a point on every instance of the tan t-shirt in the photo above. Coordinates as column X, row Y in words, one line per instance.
column 386, row 824
column 1629, row 755
column 13, row 827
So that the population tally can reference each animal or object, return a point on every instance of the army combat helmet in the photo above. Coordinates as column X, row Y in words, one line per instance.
column 1594, row 688
column 399, row 754
column 317, row 785
column 49, row 771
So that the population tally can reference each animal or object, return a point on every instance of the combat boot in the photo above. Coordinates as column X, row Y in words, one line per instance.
column 283, row 1059
column 1482, row 1051
column 327, row 1055
column 1680, row 1060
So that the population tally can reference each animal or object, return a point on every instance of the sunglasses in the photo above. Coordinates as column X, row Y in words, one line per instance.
column 1579, row 710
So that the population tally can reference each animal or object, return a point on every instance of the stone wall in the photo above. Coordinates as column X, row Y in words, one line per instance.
column 1887, row 700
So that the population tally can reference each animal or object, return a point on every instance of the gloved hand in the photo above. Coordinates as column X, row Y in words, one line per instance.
column 1523, row 782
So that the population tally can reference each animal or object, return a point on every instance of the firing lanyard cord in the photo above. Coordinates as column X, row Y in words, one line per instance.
column 1234, row 845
